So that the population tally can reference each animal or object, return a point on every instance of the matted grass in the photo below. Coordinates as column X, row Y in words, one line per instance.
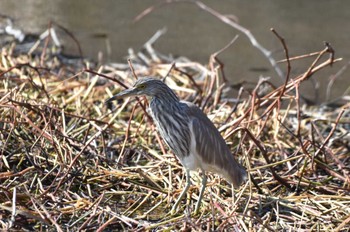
column 71, row 163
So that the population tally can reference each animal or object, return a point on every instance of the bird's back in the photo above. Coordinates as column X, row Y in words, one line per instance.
column 210, row 149
column 194, row 139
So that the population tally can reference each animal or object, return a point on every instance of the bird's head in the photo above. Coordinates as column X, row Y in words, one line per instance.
column 145, row 86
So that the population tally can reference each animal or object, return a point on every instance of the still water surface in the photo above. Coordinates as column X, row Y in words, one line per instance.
column 196, row 34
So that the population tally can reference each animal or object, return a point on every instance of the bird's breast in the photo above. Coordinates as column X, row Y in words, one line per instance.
column 173, row 126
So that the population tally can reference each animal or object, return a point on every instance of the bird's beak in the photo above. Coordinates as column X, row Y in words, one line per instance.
column 123, row 94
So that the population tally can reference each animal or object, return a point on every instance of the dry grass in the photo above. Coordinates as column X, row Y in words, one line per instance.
column 69, row 162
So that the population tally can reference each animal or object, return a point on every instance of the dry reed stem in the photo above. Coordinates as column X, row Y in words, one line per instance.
column 70, row 162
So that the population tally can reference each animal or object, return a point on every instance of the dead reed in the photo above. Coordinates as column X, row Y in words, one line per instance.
column 71, row 163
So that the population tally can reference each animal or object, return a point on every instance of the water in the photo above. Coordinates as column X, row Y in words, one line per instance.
column 196, row 34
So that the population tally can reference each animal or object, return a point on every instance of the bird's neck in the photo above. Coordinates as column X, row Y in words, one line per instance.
column 165, row 97
column 161, row 100
column 164, row 103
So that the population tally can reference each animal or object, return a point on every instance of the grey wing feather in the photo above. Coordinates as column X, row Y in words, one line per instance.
column 212, row 148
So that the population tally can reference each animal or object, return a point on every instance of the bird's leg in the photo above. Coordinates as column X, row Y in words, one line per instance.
column 187, row 186
column 201, row 192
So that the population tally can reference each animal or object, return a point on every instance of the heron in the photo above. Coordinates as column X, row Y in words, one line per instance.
column 189, row 134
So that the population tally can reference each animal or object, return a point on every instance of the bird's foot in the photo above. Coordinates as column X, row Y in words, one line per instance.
column 173, row 210
column 196, row 209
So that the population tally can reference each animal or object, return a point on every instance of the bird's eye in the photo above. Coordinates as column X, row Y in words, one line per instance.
column 142, row 86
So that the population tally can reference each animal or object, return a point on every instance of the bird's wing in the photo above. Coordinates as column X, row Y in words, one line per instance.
column 212, row 148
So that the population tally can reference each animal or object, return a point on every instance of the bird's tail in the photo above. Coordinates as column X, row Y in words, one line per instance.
column 237, row 174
